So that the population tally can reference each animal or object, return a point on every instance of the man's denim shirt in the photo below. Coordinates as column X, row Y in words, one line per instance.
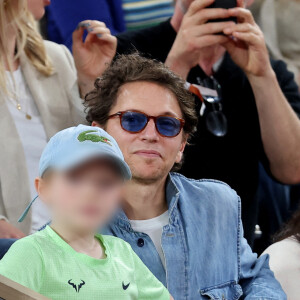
column 205, row 253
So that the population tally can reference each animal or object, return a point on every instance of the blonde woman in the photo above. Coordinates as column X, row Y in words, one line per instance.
column 41, row 87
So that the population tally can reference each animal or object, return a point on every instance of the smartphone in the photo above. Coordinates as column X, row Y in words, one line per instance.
column 224, row 4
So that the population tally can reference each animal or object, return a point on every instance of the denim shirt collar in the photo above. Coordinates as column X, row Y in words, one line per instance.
column 172, row 197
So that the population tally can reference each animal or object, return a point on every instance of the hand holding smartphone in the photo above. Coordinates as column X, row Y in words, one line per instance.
column 226, row 4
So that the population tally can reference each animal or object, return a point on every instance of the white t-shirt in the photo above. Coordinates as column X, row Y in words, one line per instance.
column 33, row 138
column 153, row 228
column 285, row 263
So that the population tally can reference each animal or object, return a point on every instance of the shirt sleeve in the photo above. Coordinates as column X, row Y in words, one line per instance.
column 149, row 287
column 288, row 85
column 24, row 264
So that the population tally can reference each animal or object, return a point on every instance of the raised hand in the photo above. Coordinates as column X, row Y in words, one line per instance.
column 196, row 36
column 246, row 43
column 93, row 55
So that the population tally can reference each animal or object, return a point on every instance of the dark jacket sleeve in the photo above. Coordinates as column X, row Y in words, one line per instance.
column 288, row 84
column 64, row 16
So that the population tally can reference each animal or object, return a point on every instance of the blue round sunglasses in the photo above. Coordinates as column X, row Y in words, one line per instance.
column 136, row 121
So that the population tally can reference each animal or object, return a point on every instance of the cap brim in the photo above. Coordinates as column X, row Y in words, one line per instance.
column 82, row 157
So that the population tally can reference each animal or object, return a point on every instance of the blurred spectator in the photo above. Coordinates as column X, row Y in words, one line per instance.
column 62, row 17
column 245, row 124
column 284, row 257
column 279, row 22
column 40, row 95
column 146, row 13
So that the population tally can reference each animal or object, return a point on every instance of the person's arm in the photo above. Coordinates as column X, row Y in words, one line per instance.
column 280, row 126
column 23, row 263
column 93, row 55
column 195, row 35
column 280, row 129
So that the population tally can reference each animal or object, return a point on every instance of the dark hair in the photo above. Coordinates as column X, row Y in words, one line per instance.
column 291, row 229
column 133, row 68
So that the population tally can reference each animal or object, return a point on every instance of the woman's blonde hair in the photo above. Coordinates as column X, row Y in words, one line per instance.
column 15, row 13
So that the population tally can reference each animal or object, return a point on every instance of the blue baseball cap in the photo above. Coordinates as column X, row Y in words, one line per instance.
column 74, row 146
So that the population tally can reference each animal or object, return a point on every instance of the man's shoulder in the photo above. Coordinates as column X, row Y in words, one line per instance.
column 211, row 184
column 197, row 189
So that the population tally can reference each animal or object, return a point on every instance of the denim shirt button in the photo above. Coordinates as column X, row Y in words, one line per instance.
column 140, row 242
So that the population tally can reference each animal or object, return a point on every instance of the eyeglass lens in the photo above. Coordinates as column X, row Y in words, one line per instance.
column 135, row 122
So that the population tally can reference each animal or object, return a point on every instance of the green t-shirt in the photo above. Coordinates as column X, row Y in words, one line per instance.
column 45, row 263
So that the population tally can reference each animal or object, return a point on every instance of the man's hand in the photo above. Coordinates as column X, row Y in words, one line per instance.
column 196, row 35
column 94, row 54
column 8, row 231
column 246, row 44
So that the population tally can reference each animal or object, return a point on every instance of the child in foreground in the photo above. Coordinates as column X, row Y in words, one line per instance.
column 82, row 173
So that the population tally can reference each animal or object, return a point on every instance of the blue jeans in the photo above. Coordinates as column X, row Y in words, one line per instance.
column 5, row 245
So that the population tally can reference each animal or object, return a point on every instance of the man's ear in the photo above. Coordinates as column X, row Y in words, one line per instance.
column 180, row 152
column 95, row 124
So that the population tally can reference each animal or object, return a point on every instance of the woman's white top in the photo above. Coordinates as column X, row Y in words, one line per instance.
column 285, row 263
column 33, row 137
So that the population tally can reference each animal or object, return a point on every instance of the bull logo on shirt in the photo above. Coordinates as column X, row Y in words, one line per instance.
column 77, row 287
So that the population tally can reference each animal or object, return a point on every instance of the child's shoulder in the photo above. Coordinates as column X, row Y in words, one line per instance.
column 31, row 241
column 27, row 247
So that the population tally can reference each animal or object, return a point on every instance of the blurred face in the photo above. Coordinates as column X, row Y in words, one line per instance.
column 149, row 155
column 37, row 7
column 85, row 198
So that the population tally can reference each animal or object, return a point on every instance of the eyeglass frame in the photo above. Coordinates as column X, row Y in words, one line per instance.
column 121, row 113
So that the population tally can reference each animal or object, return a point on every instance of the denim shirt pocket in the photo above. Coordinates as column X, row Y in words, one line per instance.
column 227, row 291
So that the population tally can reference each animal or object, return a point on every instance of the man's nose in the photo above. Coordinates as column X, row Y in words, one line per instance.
column 150, row 132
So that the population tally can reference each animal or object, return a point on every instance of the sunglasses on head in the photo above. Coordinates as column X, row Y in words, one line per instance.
column 135, row 122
